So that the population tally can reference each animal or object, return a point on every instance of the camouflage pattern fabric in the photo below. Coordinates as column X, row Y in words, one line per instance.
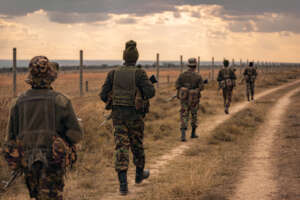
column 190, row 80
column 226, row 78
column 41, row 72
column 45, row 183
column 129, row 134
column 227, row 95
column 185, row 113
column 250, row 74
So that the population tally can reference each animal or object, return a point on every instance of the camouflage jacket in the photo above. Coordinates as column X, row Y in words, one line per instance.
column 38, row 115
column 226, row 73
column 189, row 79
column 142, row 83
column 250, row 73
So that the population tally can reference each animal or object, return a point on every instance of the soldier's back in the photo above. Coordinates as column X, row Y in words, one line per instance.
column 189, row 79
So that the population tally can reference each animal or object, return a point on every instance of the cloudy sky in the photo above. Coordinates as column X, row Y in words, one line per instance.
column 265, row 30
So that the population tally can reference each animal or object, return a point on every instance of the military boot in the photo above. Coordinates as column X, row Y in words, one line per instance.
column 123, row 182
column 226, row 110
column 141, row 174
column 183, row 135
column 193, row 134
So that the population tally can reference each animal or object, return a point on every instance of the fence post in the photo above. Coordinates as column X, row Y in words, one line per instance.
column 168, row 79
column 14, row 72
column 81, row 73
column 241, row 66
column 181, row 63
column 198, row 64
column 212, row 68
column 157, row 69
column 86, row 86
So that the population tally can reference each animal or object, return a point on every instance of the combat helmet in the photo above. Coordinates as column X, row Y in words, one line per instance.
column 42, row 72
column 192, row 62
column 226, row 63
column 130, row 54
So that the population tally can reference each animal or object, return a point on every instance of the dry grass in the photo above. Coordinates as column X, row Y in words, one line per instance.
column 94, row 173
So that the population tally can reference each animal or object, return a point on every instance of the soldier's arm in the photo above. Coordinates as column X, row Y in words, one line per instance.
column 144, row 84
column 178, row 83
column 201, row 84
column 107, row 86
column 233, row 76
column 220, row 77
column 12, row 128
column 245, row 72
column 73, row 132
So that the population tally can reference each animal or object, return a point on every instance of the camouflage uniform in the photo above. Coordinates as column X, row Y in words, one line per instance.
column 250, row 74
column 226, row 79
column 44, row 129
column 123, row 84
column 190, row 80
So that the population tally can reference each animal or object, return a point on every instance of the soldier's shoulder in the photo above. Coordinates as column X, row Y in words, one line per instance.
column 61, row 100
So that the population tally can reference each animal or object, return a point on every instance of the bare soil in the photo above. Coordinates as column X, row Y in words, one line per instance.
column 259, row 180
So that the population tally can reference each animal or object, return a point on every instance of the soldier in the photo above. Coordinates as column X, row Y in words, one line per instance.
column 189, row 85
column 226, row 79
column 124, row 83
column 250, row 75
column 42, row 132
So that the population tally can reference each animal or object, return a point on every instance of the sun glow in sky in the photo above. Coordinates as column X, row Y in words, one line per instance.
column 184, row 29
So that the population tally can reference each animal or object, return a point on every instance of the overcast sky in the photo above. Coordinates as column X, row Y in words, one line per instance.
column 255, row 29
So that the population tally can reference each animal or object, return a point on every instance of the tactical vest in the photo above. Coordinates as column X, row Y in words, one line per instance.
column 124, row 86
column 226, row 73
column 36, row 125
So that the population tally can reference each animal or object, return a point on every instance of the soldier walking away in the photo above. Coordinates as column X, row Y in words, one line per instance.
column 124, row 86
column 250, row 75
column 226, row 79
column 42, row 132
column 189, row 86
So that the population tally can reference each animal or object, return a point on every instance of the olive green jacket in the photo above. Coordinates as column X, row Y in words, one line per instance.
column 189, row 79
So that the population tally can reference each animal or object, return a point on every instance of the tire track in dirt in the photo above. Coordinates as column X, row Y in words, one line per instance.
column 258, row 181
column 207, row 127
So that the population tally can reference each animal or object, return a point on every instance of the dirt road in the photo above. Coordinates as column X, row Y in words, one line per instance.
column 258, row 180
column 208, row 126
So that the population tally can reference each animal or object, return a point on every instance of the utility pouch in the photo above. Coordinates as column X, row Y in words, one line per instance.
column 194, row 97
column 184, row 93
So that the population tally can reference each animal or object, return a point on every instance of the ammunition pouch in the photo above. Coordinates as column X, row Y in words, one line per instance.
column 183, row 94
column 14, row 155
column 194, row 97
column 63, row 154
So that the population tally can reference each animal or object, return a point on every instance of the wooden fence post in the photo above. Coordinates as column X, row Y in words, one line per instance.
column 81, row 73
column 14, row 69
column 212, row 68
column 157, row 69
column 198, row 64
column 168, row 79
column 181, row 63
column 86, row 86
column 241, row 66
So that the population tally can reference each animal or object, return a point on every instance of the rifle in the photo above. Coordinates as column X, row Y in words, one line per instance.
column 14, row 175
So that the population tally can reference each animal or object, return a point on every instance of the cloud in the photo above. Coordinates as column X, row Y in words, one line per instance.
column 127, row 20
column 74, row 17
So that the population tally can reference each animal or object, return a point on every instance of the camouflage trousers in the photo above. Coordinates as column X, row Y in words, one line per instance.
column 227, row 95
column 45, row 183
column 129, row 134
column 250, row 89
column 185, row 114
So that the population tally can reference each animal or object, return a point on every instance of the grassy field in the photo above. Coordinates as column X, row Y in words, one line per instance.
column 94, row 173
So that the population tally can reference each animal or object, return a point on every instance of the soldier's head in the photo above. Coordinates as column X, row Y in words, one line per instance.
column 42, row 72
column 226, row 63
column 251, row 64
column 130, row 54
column 192, row 63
